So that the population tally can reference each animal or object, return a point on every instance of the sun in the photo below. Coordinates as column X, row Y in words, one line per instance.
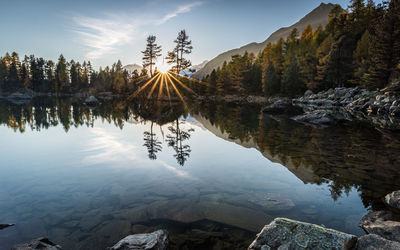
column 162, row 67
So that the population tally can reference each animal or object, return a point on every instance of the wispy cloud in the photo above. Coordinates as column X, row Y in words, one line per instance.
column 104, row 35
column 110, row 149
column 180, row 10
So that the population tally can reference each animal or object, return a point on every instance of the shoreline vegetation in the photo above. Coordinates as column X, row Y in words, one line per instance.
column 359, row 47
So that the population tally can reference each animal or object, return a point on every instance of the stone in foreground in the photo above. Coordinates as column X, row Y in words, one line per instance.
column 157, row 240
column 393, row 199
column 284, row 233
column 382, row 223
column 374, row 242
column 40, row 243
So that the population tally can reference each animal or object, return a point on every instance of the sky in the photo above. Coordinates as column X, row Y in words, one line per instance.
column 103, row 31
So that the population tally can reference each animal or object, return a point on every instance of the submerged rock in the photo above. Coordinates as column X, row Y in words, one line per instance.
column 40, row 243
column 91, row 101
column 157, row 240
column 382, row 223
column 279, row 106
column 374, row 242
column 393, row 199
column 320, row 118
column 2, row 226
column 284, row 233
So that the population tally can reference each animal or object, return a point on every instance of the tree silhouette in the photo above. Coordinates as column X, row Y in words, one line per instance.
column 151, row 53
column 176, row 139
column 175, row 57
column 151, row 143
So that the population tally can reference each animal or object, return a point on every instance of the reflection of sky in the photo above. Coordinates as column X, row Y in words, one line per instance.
column 89, row 164
column 115, row 151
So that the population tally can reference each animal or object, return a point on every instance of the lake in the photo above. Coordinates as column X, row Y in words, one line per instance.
column 212, row 174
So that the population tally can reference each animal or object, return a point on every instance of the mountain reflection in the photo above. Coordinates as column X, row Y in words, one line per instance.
column 350, row 155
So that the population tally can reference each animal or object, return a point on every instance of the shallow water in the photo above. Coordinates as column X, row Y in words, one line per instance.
column 212, row 174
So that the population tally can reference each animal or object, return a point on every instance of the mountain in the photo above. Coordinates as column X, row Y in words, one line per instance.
column 198, row 67
column 318, row 16
column 132, row 67
column 194, row 69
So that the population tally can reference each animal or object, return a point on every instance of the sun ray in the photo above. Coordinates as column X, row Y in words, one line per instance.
column 176, row 89
column 161, row 89
column 155, row 85
column 183, row 85
column 141, row 88
column 194, row 79
column 168, row 93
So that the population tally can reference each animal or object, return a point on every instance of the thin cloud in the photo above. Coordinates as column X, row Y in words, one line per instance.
column 104, row 35
column 182, row 9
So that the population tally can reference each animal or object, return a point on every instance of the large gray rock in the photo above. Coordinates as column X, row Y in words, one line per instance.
column 393, row 199
column 320, row 118
column 375, row 242
column 382, row 223
column 157, row 240
column 277, row 107
column 40, row 243
column 284, row 233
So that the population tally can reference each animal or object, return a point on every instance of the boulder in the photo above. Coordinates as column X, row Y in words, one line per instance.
column 320, row 118
column 157, row 240
column 91, row 101
column 393, row 199
column 382, row 223
column 394, row 87
column 19, row 96
column 277, row 107
column 284, row 233
column 375, row 242
column 308, row 93
column 2, row 226
column 40, row 243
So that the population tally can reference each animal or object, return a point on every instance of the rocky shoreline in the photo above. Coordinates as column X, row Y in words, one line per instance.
column 382, row 232
column 380, row 108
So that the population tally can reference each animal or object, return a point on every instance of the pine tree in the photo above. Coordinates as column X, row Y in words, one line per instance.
column 62, row 75
column 151, row 53
column 292, row 84
column 176, row 57
column 271, row 81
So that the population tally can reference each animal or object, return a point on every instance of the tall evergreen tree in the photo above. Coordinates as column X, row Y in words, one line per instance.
column 176, row 57
column 151, row 53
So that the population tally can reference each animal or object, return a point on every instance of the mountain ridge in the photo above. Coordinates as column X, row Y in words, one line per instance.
column 318, row 16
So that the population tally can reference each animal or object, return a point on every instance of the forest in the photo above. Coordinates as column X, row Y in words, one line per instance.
column 360, row 46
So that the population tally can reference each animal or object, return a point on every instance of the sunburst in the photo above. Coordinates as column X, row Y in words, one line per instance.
column 166, row 81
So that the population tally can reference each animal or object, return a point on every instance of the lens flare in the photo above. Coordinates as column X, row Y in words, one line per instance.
column 166, row 82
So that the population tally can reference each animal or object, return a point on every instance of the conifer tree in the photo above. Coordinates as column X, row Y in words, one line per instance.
column 151, row 53
column 176, row 57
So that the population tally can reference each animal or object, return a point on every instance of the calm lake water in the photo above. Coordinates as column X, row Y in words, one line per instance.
column 212, row 174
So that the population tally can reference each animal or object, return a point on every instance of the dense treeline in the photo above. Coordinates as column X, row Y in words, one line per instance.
column 40, row 75
column 359, row 46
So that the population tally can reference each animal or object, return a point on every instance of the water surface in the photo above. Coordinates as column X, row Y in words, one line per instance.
column 212, row 174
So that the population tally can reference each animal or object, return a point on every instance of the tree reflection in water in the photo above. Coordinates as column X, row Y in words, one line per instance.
column 151, row 143
column 176, row 139
column 350, row 155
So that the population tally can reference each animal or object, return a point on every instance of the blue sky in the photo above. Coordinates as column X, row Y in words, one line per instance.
column 104, row 31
